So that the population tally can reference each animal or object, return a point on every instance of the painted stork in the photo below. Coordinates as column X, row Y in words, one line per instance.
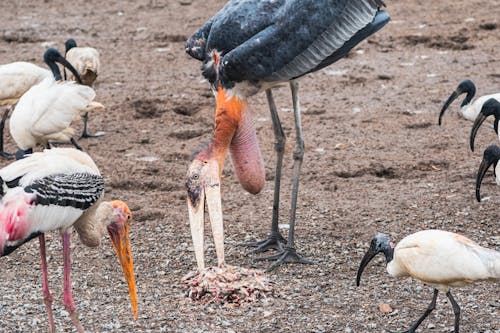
column 58, row 189
column 18, row 77
column 86, row 61
column 45, row 112
column 438, row 258
column 468, row 109
column 490, row 108
column 247, row 47
column 491, row 156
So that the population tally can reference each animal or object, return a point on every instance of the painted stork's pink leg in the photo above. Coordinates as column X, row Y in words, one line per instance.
column 45, row 283
column 68, row 301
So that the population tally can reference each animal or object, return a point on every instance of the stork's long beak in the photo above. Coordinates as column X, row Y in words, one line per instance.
column 205, row 186
column 450, row 100
column 119, row 234
column 475, row 127
column 369, row 255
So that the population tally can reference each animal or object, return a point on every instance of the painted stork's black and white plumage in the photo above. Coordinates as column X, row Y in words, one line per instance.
column 17, row 78
column 438, row 258
column 254, row 45
column 61, row 189
column 86, row 62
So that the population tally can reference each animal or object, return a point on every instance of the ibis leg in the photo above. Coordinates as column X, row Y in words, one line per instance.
column 274, row 239
column 85, row 133
column 456, row 311
column 289, row 254
column 45, row 284
column 77, row 146
column 68, row 301
column 429, row 309
column 3, row 153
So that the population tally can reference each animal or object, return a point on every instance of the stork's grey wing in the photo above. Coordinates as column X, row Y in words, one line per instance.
column 196, row 44
column 78, row 190
column 303, row 34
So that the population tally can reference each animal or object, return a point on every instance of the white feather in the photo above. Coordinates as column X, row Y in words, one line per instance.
column 17, row 77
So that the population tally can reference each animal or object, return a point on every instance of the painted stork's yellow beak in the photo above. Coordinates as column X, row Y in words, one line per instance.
column 119, row 234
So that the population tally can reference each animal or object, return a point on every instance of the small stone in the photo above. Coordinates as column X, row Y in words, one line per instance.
column 385, row 308
column 431, row 326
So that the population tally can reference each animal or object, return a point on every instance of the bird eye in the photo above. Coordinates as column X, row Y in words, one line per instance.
column 196, row 176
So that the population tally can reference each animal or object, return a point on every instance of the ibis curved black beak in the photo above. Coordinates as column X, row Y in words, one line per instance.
column 490, row 108
column 369, row 255
column 52, row 56
column 466, row 86
column 491, row 156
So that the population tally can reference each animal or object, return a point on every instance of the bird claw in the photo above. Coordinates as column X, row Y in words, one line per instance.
column 7, row 156
column 273, row 241
column 287, row 255
column 89, row 135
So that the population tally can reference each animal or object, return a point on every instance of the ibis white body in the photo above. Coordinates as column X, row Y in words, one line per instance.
column 45, row 112
column 443, row 259
column 17, row 77
column 86, row 61
column 471, row 110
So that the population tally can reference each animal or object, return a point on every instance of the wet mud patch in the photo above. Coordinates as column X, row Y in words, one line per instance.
column 148, row 108
column 374, row 169
column 25, row 35
column 455, row 42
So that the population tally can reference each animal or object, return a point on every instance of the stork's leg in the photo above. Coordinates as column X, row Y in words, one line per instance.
column 456, row 311
column 289, row 254
column 429, row 309
column 45, row 284
column 3, row 153
column 274, row 239
column 85, row 133
column 68, row 301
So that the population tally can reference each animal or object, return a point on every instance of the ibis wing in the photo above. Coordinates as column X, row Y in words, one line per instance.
column 297, row 39
column 77, row 190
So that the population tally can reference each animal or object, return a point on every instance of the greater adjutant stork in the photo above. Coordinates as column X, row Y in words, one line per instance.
column 438, row 258
column 61, row 189
column 86, row 62
column 254, row 45
column 17, row 78
column 45, row 112
column 468, row 109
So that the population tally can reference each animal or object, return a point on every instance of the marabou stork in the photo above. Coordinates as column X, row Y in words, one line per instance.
column 438, row 258
column 247, row 47
column 17, row 78
column 45, row 112
column 86, row 62
column 491, row 156
column 468, row 109
column 490, row 108
column 58, row 189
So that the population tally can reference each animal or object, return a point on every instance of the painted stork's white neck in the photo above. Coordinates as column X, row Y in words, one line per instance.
column 91, row 227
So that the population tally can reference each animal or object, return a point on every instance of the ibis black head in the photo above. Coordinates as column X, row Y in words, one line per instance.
column 466, row 86
column 51, row 56
column 69, row 44
column 380, row 243
column 490, row 108
column 491, row 156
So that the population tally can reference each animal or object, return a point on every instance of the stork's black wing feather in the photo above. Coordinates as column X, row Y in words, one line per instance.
column 78, row 190
column 275, row 40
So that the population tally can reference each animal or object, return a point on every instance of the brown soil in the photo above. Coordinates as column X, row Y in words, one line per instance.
column 375, row 161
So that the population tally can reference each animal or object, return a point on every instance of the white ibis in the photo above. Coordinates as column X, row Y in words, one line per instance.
column 45, row 112
column 247, row 47
column 58, row 189
column 491, row 156
column 86, row 62
column 438, row 258
column 468, row 109
column 17, row 77
column 490, row 108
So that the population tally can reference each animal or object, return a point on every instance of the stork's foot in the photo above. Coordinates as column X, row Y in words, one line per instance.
column 287, row 255
column 273, row 241
column 86, row 134
column 74, row 318
column 6, row 155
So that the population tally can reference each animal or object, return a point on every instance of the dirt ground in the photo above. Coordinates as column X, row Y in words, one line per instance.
column 375, row 161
